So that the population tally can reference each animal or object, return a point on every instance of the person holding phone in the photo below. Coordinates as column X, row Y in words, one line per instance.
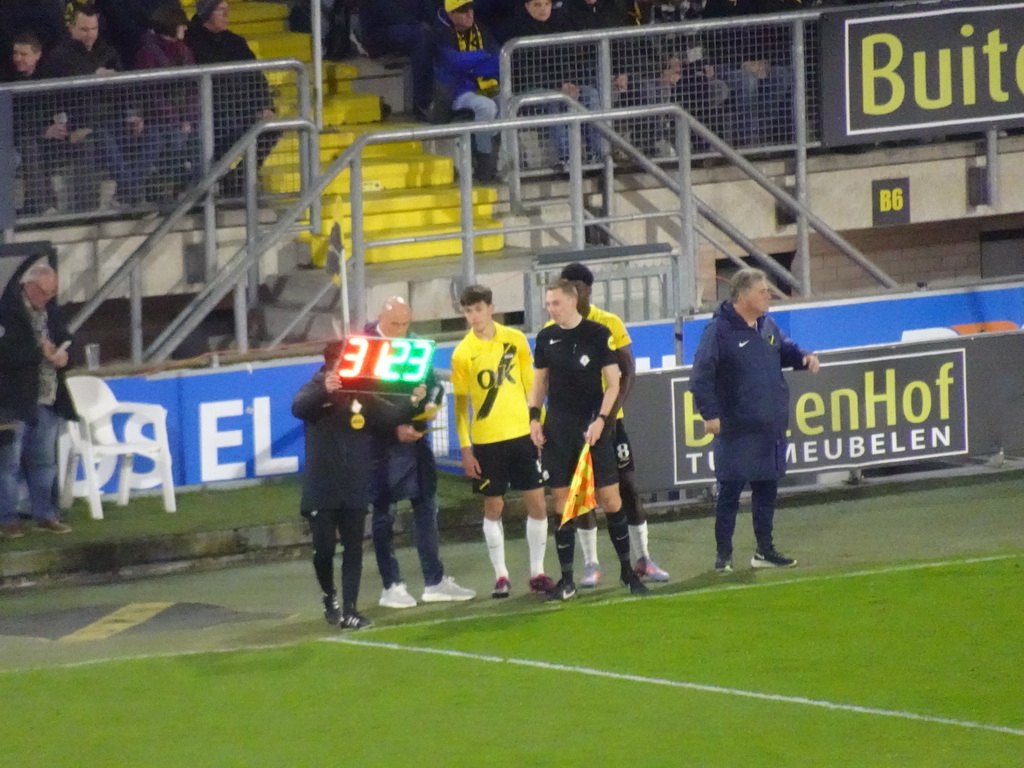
column 33, row 397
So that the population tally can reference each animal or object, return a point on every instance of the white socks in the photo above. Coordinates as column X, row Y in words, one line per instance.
column 494, row 535
column 638, row 541
column 588, row 543
column 537, row 538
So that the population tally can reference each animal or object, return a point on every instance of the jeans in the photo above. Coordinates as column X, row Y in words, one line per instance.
column 33, row 451
column 424, row 517
column 763, row 493
column 484, row 108
column 590, row 99
column 763, row 106
column 130, row 158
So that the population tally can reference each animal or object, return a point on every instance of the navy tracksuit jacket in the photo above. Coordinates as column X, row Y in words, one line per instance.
column 737, row 377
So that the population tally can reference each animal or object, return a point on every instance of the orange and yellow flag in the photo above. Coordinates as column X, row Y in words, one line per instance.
column 582, row 493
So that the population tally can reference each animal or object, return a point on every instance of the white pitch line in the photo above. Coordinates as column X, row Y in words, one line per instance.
column 592, row 672
column 693, row 592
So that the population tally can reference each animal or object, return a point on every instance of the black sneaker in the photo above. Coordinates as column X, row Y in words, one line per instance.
column 332, row 611
column 636, row 587
column 771, row 558
column 723, row 564
column 564, row 590
column 355, row 620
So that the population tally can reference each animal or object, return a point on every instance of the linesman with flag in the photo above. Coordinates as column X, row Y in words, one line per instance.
column 578, row 374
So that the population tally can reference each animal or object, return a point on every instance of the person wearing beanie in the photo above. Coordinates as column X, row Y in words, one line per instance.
column 240, row 100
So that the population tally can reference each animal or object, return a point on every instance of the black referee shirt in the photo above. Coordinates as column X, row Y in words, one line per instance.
column 574, row 358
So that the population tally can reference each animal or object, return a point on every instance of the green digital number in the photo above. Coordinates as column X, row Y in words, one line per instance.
column 392, row 358
column 418, row 361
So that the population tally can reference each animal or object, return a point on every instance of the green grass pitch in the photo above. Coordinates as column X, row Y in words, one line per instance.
column 916, row 665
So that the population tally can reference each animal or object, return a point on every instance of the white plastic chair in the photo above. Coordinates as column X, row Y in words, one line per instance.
column 93, row 440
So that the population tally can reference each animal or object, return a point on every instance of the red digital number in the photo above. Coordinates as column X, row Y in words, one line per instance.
column 354, row 357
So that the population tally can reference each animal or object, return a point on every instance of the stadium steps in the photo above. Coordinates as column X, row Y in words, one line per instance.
column 408, row 191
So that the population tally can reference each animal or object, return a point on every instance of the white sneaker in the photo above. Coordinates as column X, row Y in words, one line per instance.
column 397, row 596
column 446, row 591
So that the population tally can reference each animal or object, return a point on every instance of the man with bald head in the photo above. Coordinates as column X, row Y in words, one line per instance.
column 407, row 470
column 33, row 397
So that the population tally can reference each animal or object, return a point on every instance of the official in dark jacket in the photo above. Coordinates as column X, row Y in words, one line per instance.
column 33, row 396
column 739, row 390
column 341, row 429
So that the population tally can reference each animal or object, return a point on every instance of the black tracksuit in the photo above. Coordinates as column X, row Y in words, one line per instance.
column 337, row 480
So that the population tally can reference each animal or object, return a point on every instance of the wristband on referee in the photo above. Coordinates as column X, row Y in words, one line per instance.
column 602, row 417
column 534, row 413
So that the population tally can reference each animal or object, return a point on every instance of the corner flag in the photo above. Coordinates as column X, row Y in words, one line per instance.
column 582, row 493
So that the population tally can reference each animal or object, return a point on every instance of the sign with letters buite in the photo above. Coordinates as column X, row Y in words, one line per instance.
column 890, row 201
column 921, row 71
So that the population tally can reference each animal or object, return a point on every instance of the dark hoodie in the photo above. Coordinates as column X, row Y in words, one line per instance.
column 236, row 98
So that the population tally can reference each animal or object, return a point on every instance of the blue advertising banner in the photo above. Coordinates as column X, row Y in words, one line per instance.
column 235, row 422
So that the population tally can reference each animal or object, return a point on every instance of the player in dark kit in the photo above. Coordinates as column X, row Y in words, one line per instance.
column 578, row 373
column 336, row 483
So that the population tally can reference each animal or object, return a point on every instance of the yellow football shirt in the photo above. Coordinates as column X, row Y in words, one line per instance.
column 620, row 336
column 496, row 375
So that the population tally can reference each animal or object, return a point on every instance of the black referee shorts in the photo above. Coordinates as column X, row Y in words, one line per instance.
column 563, row 434
column 508, row 464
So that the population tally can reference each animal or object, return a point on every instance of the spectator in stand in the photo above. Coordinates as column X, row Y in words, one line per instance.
column 42, row 18
column 466, row 68
column 174, row 106
column 37, row 129
column 113, row 117
column 755, row 64
column 498, row 16
column 403, row 27
column 563, row 72
column 126, row 22
column 240, row 101
column 632, row 63
column 33, row 397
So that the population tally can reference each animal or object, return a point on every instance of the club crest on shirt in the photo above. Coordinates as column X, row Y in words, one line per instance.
column 585, row 360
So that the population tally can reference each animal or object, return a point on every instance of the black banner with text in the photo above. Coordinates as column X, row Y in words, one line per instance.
column 921, row 70
column 875, row 406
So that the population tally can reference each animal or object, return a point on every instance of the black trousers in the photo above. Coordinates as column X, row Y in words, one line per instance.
column 329, row 526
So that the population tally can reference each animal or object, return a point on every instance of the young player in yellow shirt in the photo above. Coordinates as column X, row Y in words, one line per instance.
column 645, row 567
column 492, row 371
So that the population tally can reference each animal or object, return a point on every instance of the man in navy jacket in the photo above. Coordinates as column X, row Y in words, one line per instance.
column 739, row 390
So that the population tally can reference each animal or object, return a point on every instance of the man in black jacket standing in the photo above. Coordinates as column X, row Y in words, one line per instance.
column 336, row 484
column 739, row 390
column 33, row 397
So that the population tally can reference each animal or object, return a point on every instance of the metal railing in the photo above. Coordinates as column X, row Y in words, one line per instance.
column 152, row 132
column 130, row 270
column 678, row 181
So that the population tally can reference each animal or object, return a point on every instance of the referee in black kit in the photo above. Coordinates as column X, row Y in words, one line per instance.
column 578, row 373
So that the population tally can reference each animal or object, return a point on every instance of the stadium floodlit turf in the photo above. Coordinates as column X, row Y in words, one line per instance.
column 912, row 665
